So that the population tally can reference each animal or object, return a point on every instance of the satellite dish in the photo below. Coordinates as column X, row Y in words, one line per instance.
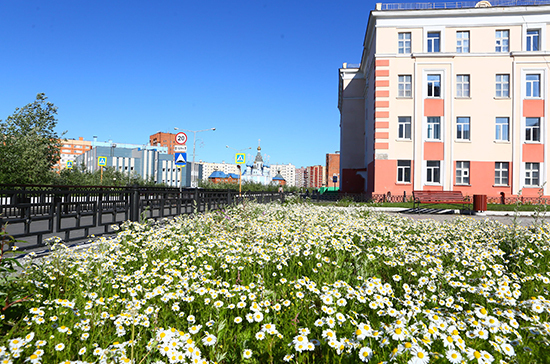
column 483, row 4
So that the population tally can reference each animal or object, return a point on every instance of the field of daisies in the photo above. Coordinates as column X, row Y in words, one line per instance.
column 292, row 283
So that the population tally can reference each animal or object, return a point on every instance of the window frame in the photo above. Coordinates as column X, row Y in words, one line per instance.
column 530, row 86
column 462, row 172
column 529, row 170
column 436, row 129
column 430, row 172
column 504, row 84
column 533, row 40
column 402, row 171
column 530, row 130
column 499, row 129
column 463, row 84
column 463, row 128
column 433, row 88
column 499, row 170
column 460, row 46
column 403, row 42
column 433, row 42
column 405, row 80
column 404, row 121
column 500, row 39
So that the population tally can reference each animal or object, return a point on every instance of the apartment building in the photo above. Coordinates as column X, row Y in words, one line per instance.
column 287, row 171
column 70, row 149
column 167, row 140
column 209, row 168
column 448, row 96
column 332, row 169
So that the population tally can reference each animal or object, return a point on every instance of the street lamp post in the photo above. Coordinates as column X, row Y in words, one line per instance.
column 193, row 172
column 240, row 169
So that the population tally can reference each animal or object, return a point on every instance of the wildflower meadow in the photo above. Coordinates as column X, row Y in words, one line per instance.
column 293, row 283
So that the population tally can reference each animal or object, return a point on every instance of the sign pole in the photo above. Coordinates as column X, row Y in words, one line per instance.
column 101, row 180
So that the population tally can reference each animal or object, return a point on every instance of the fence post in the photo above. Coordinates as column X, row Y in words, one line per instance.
column 134, row 204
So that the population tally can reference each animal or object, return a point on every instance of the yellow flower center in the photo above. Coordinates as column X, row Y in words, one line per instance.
column 477, row 355
column 398, row 331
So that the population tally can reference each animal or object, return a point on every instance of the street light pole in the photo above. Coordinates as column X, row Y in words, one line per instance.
column 193, row 174
column 238, row 166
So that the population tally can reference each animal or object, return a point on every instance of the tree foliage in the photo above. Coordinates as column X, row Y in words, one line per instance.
column 29, row 144
column 80, row 176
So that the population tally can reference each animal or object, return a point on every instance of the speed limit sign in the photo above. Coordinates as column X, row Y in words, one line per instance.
column 181, row 138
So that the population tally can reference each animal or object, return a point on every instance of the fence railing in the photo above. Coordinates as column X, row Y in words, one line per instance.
column 36, row 213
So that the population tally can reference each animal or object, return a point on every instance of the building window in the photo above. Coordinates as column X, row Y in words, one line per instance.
column 404, row 123
column 403, row 171
column 434, row 42
column 502, row 40
column 404, row 43
column 463, row 128
column 503, row 86
column 434, row 85
column 463, row 86
column 532, row 85
column 434, row 128
column 404, row 86
column 502, row 129
column 462, row 42
column 501, row 173
column 532, row 174
column 533, row 40
column 532, row 129
column 433, row 172
column 462, row 173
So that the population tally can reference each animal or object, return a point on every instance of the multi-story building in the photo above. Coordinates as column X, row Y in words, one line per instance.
column 332, row 169
column 70, row 149
column 209, row 168
column 287, row 171
column 164, row 140
column 452, row 97
column 315, row 176
column 300, row 174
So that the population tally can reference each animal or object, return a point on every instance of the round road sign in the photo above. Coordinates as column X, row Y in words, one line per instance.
column 181, row 138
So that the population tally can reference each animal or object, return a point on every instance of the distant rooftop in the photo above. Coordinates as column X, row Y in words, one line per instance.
column 458, row 4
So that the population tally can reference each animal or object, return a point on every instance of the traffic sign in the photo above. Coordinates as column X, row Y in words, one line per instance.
column 180, row 159
column 102, row 161
column 181, row 138
column 180, row 148
column 69, row 164
column 240, row 158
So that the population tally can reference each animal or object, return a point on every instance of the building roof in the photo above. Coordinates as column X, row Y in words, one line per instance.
column 220, row 174
column 278, row 177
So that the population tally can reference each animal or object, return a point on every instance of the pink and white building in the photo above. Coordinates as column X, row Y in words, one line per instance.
column 448, row 96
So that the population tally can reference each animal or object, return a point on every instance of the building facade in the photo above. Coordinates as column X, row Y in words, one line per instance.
column 209, row 168
column 70, row 149
column 315, row 176
column 161, row 139
column 332, row 169
column 287, row 171
column 448, row 99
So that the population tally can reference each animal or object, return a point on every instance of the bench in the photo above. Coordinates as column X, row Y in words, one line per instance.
column 437, row 197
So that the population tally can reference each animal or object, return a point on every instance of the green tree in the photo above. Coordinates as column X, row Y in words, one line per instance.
column 29, row 144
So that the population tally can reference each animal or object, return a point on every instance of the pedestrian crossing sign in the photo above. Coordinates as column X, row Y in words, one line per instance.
column 180, row 159
column 102, row 161
column 69, row 164
column 240, row 158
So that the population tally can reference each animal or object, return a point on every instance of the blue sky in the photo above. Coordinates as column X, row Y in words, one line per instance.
column 123, row 70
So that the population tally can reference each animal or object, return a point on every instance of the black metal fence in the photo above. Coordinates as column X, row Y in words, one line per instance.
column 36, row 213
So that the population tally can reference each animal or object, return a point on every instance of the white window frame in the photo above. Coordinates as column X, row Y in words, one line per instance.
column 532, row 41
column 530, row 86
column 530, row 135
column 463, row 44
column 402, row 82
column 463, row 86
column 404, row 43
column 500, row 127
column 500, row 40
column 541, row 27
column 402, row 171
column 404, row 124
column 500, row 169
column 531, row 168
column 463, row 128
column 430, row 171
column 462, row 173
column 431, row 29
column 428, row 83
column 433, row 128
column 502, row 80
